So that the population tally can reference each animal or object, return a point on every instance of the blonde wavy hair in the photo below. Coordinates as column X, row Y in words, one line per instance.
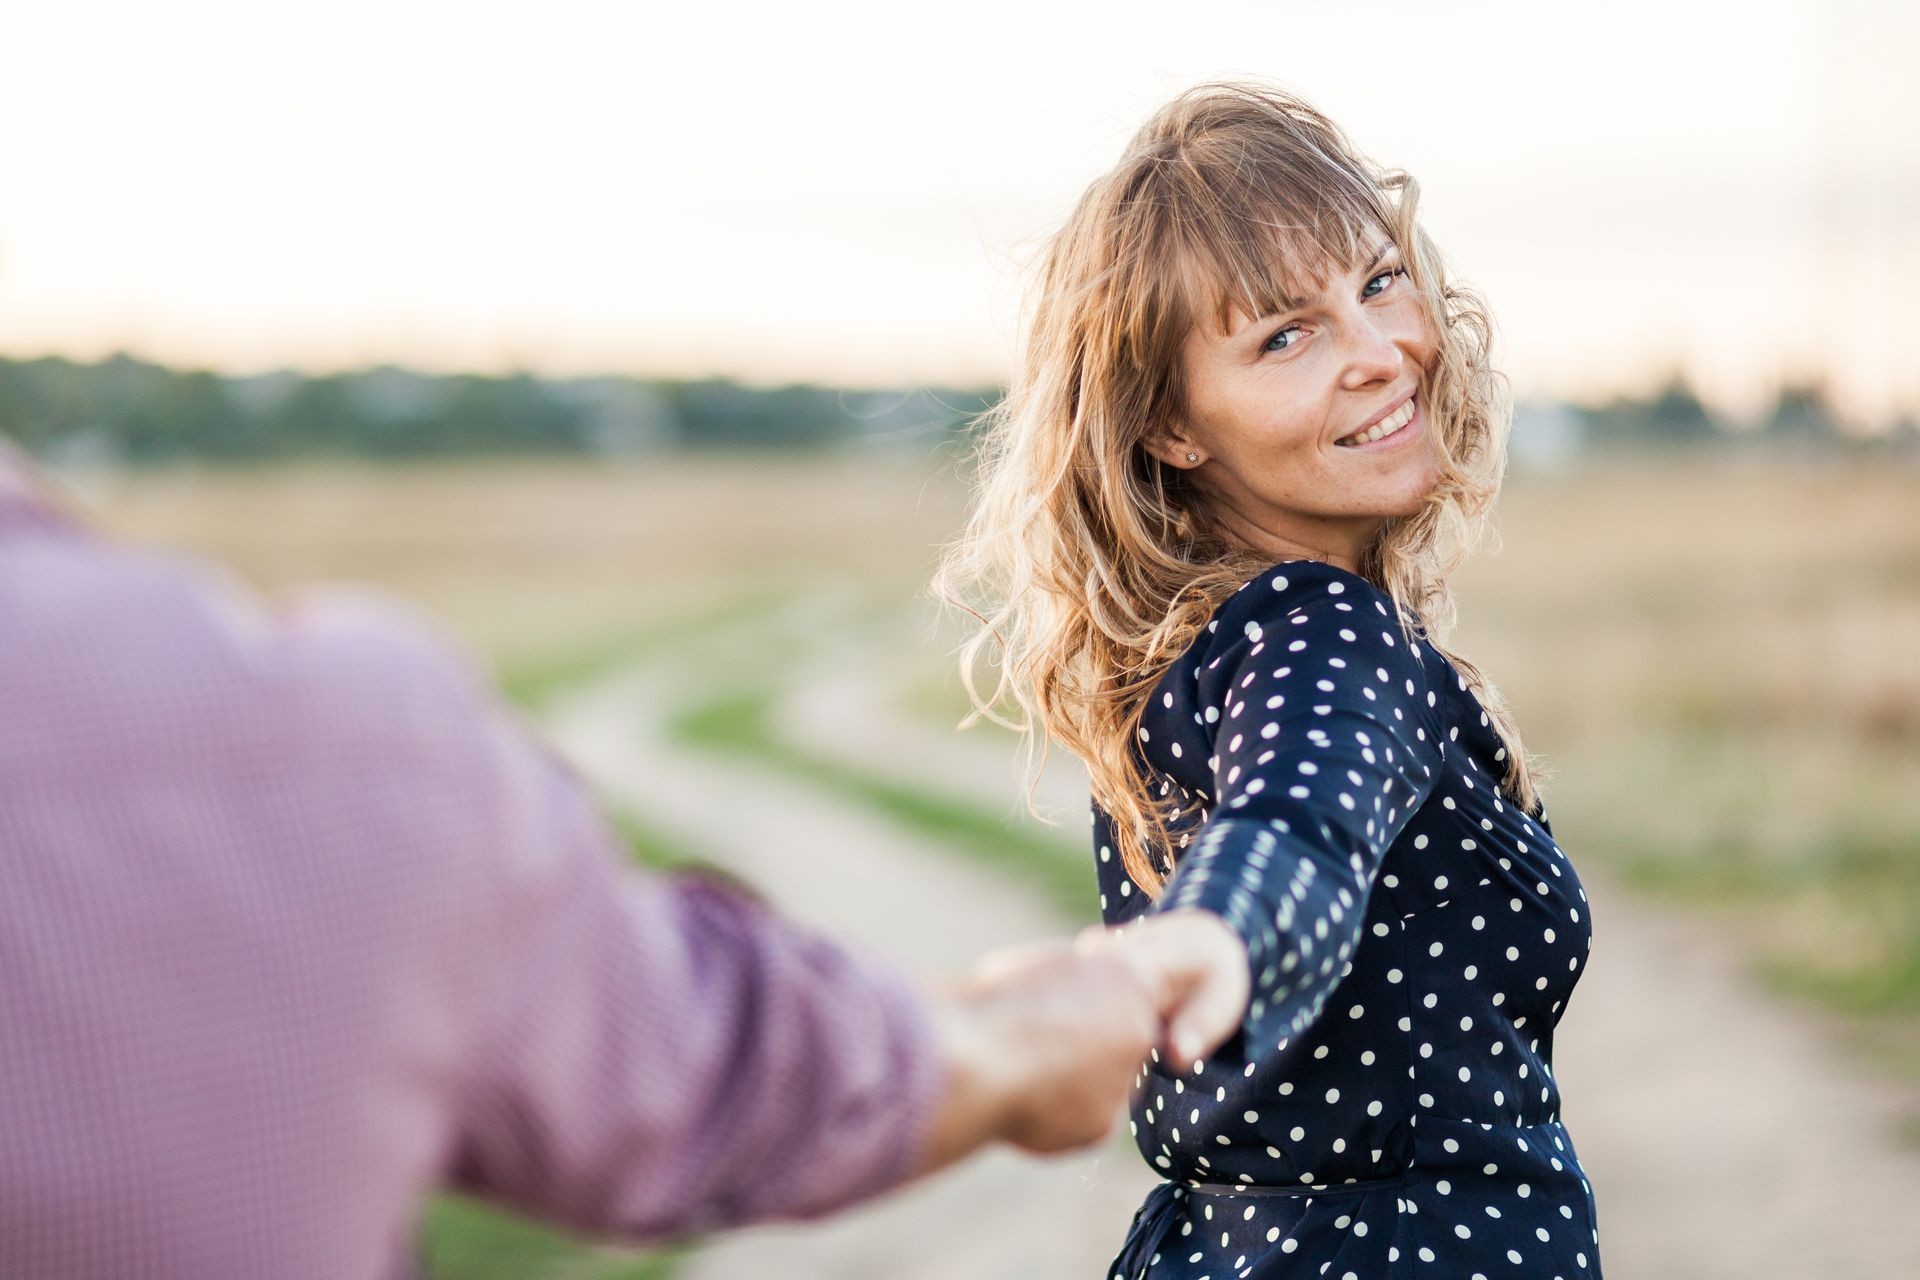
column 1088, row 565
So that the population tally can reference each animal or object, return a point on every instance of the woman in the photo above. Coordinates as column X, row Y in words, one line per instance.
column 1253, row 432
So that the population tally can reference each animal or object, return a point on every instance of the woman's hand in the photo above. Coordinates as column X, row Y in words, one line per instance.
column 1202, row 966
column 1043, row 1042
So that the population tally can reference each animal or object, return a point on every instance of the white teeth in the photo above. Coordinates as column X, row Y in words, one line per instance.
column 1382, row 429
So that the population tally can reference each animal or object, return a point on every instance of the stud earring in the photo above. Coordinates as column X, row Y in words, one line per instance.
column 1193, row 457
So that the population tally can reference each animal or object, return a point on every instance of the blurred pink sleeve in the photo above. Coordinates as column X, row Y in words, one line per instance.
column 299, row 919
column 663, row 1056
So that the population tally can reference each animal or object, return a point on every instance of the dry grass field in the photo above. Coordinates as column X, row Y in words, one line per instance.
column 1721, row 666
column 1717, row 659
column 528, row 558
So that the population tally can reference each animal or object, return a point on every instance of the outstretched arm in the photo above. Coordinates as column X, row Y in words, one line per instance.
column 1324, row 745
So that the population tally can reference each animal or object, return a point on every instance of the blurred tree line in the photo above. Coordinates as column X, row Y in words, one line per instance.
column 1801, row 417
column 124, row 409
column 127, row 410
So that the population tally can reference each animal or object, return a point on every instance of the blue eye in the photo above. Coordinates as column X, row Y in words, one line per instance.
column 1274, row 343
column 1384, row 275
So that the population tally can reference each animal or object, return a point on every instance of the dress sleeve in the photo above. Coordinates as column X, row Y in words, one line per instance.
column 1323, row 729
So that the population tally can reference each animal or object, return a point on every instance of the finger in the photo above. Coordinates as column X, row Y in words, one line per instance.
column 1211, row 1012
column 1008, row 962
column 1093, row 938
column 1204, row 981
column 1169, row 961
column 1147, row 973
column 1191, row 946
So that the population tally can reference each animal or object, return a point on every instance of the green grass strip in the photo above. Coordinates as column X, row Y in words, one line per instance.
column 1866, row 885
column 738, row 722
column 468, row 1239
column 533, row 681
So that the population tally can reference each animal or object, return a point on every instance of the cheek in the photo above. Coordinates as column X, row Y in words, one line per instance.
column 1414, row 335
column 1256, row 420
column 1291, row 405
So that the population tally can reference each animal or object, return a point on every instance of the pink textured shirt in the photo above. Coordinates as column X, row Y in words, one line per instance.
column 298, row 923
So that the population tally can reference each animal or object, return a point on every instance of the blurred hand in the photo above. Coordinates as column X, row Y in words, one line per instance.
column 1200, row 964
column 1044, row 1042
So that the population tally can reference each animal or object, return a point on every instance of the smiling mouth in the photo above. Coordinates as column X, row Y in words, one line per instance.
column 1382, row 429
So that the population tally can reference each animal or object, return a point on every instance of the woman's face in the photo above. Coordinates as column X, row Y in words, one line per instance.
column 1278, row 407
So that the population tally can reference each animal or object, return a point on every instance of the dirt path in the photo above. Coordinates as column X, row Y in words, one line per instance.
column 1001, row 1216
column 1725, row 1133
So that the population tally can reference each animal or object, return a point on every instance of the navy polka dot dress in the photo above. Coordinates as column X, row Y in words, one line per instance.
column 1388, row 1109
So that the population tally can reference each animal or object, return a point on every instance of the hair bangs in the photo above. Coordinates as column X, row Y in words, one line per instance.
column 1250, row 264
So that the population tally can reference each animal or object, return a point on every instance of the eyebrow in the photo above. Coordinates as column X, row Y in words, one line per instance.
column 1295, row 304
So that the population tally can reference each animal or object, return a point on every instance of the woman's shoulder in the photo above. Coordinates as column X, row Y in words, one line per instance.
column 1310, row 594
column 1306, row 616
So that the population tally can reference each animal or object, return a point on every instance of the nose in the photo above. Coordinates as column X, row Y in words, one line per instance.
column 1372, row 351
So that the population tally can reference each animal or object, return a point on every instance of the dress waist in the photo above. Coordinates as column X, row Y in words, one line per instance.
column 1298, row 1189
column 1156, row 1217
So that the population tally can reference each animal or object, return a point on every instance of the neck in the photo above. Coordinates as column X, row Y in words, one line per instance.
column 1335, row 542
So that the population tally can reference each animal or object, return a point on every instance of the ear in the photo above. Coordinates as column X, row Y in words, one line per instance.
column 1172, row 445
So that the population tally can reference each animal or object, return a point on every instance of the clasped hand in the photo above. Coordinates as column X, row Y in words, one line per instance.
column 1042, row 1042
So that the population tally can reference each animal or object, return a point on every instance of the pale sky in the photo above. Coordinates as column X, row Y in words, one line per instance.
column 849, row 193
